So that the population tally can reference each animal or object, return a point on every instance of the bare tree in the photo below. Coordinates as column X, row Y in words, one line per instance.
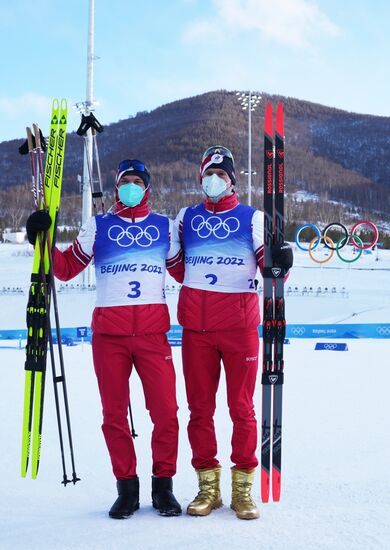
column 15, row 205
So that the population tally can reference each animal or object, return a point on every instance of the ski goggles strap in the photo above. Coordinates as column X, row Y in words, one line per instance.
column 132, row 164
column 217, row 150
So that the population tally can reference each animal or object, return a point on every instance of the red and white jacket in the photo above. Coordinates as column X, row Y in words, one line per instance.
column 120, row 320
column 208, row 310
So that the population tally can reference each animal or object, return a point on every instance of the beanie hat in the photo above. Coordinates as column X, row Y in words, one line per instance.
column 133, row 167
column 218, row 157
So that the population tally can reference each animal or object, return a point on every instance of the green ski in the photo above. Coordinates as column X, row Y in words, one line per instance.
column 38, row 307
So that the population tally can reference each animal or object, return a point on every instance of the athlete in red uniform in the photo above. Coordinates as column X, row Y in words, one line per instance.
column 219, row 311
column 132, row 248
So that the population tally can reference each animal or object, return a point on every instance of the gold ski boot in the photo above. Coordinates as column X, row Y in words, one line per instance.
column 242, row 502
column 209, row 495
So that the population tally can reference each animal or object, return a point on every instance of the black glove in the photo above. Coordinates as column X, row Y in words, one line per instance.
column 37, row 221
column 282, row 255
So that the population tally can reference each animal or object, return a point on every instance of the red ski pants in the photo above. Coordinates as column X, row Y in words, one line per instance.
column 202, row 354
column 151, row 356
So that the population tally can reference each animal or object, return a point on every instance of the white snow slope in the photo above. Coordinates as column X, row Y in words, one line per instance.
column 336, row 447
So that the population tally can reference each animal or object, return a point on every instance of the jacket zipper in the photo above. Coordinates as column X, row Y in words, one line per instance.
column 203, row 310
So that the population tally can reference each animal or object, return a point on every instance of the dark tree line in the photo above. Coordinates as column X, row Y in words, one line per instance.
column 336, row 160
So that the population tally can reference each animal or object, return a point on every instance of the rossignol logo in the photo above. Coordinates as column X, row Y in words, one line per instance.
column 168, row 357
column 281, row 178
column 273, row 378
column 276, row 271
column 269, row 179
column 251, row 358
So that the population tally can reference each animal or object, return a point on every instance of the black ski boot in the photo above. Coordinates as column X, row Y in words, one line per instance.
column 128, row 500
column 163, row 498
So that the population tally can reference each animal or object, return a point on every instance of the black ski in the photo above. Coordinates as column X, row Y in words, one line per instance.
column 274, row 324
column 280, row 321
column 268, row 308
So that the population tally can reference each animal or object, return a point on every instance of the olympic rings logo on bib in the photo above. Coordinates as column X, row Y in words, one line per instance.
column 221, row 229
column 126, row 237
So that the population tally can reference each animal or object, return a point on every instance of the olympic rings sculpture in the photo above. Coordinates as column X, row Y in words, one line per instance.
column 340, row 243
column 326, row 240
column 126, row 237
column 214, row 225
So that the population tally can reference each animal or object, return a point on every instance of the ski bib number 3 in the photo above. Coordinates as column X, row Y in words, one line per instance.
column 135, row 289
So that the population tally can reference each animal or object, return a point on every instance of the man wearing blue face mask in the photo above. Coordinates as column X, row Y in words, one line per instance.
column 132, row 248
column 131, row 190
column 218, row 307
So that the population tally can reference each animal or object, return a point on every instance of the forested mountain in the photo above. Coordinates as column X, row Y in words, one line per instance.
column 336, row 161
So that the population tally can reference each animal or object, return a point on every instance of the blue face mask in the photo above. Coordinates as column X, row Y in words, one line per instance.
column 214, row 187
column 130, row 194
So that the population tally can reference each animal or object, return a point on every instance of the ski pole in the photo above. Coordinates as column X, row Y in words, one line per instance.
column 133, row 434
column 61, row 378
column 51, row 346
column 90, row 122
column 100, row 192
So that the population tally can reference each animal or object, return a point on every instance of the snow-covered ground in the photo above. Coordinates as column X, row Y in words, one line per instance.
column 336, row 449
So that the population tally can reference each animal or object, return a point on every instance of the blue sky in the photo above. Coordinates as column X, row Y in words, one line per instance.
column 152, row 52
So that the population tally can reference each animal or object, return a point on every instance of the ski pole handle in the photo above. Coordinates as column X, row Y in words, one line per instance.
column 29, row 140
column 37, row 136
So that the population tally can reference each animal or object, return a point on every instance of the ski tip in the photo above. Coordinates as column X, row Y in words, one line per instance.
column 264, row 496
column 276, row 483
column 280, row 119
column 268, row 119
column 264, row 486
column 34, row 470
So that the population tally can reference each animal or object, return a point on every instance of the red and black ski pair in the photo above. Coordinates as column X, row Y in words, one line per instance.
column 274, row 322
